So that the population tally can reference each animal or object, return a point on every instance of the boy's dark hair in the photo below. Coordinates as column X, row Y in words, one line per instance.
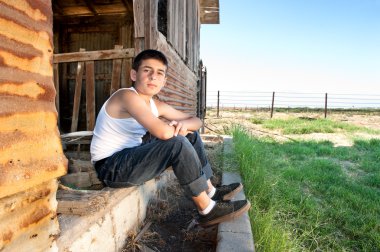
column 149, row 54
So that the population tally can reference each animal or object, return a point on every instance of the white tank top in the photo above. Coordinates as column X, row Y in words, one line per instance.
column 113, row 134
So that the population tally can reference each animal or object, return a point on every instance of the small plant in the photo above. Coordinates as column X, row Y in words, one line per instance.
column 257, row 120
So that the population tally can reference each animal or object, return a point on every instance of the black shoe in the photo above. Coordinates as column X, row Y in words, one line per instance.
column 224, row 211
column 227, row 192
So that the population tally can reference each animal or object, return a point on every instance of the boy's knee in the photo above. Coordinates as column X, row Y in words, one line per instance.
column 179, row 139
column 181, row 142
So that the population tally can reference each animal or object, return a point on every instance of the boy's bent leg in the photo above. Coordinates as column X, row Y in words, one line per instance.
column 136, row 165
column 197, row 143
column 224, row 193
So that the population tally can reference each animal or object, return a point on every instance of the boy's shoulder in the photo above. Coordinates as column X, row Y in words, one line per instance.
column 121, row 96
column 124, row 92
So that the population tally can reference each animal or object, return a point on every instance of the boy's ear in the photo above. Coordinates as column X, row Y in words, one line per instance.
column 133, row 75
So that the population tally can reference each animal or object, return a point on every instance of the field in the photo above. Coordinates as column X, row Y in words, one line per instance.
column 314, row 183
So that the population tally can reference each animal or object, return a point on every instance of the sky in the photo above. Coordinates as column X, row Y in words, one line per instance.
column 294, row 46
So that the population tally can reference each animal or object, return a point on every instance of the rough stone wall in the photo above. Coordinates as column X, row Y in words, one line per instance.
column 31, row 156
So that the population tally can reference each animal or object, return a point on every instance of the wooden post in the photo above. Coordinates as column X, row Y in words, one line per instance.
column 116, row 73
column 77, row 94
column 325, row 105
column 90, row 95
column 217, row 107
column 271, row 110
column 126, row 67
column 150, row 23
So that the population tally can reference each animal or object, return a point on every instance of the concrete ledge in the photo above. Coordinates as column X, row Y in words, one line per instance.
column 235, row 235
column 107, row 229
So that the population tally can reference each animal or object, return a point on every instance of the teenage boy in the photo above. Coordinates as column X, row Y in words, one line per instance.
column 122, row 159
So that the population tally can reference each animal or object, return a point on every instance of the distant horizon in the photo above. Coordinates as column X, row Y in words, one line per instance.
column 294, row 46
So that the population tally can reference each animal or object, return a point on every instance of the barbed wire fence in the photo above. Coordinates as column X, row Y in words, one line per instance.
column 273, row 100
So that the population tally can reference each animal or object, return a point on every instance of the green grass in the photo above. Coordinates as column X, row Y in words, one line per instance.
column 311, row 196
column 310, row 125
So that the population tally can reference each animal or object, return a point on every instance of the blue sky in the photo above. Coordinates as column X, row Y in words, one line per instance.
column 294, row 45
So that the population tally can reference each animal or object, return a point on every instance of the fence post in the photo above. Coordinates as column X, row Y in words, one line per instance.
column 271, row 110
column 325, row 105
column 217, row 107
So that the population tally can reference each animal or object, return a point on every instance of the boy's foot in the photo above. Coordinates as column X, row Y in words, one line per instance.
column 227, row 192
column 224, row 211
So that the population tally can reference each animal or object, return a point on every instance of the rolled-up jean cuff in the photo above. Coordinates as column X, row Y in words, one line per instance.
column 196, row 187
column 207, row 171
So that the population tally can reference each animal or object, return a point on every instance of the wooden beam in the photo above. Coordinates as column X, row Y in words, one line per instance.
column 138, row 18
column 90, row 95
column 151, row 30
column 91, row 7
column 116, row 73
column 124, row 76
column 94, row 55
column 77, row 95
column 81, row 202
column 126, row 67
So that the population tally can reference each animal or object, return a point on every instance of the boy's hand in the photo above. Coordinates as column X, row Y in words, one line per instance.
column 180, row 128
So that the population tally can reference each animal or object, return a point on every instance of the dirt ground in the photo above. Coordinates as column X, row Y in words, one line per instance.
column 170, row 224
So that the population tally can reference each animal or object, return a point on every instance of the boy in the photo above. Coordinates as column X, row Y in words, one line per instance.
column 122, row 159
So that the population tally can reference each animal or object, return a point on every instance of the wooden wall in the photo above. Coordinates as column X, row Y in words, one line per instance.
column 31, row 156
column 183, row 24
column 92, row 34
column 181, row 88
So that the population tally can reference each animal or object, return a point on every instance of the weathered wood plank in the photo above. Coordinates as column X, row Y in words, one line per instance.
column 169, row 99
column 151, row 30
column 128, row 69
column 175, row 24
column 78, row 165
column 124, row 76
column 94, row 55
column 81, row 202
column 77, row 95
column 138, row 10
column 90, row 95
column 174, row 92
column 77, row 180
column 169, row 20
column 182, row 29
column 116, row 73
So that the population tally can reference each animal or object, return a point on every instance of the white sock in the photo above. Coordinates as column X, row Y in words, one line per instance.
column 208, row 208
column 211, row 193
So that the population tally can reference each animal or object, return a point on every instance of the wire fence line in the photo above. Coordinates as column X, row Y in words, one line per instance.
column 251, row 99
column 272, row 100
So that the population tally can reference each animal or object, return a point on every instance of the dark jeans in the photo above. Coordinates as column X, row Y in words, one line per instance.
column 134, row 166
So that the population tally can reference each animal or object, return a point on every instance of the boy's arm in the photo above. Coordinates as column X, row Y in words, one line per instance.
column 183, row 123
column 142, row 113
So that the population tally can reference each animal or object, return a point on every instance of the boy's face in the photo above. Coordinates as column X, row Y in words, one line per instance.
column 150, row 77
